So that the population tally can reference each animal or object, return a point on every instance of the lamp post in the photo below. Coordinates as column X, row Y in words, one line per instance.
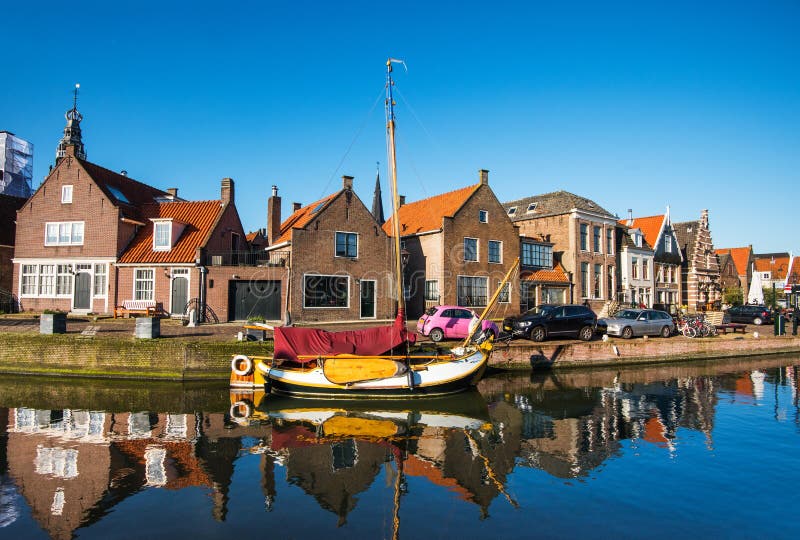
column 772, row 278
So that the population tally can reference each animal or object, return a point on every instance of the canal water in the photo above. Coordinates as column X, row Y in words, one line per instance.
column 689, row 450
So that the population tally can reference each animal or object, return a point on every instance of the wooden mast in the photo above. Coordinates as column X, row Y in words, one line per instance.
column 390, row 127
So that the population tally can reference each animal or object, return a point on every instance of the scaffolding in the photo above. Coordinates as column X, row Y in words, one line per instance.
column 16, row 166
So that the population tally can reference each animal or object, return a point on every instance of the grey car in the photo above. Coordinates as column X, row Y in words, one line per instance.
column 639, row 322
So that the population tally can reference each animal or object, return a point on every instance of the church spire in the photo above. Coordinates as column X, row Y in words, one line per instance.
column 377, row 200
column 72, row 131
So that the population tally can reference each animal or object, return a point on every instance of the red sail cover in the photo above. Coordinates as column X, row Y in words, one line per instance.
column 290, row 343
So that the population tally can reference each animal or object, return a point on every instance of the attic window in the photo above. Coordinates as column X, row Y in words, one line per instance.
column 162, row 235
column 512, row 210
column 483, row 216
column 318, row 207
column 66, row 194
column 531, row 207
column 118, row 194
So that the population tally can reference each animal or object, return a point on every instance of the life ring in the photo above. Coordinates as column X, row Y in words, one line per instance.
column 247, row 365
column 236, row 409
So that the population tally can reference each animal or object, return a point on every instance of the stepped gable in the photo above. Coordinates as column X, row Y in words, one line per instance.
column 199, row 218
column 426, row 214
column 553, row 204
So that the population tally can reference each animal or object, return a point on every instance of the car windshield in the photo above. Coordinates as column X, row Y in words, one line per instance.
column 628, row 314
column 540, row 310
column 431, row 311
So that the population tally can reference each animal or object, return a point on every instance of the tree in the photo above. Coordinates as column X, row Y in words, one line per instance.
column 733, row 296
column 772, row 296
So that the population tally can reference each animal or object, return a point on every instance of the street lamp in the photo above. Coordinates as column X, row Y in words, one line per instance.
column 772, row 278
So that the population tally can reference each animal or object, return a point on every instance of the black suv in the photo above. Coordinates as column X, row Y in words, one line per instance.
column 750, row 314
column 548, row 320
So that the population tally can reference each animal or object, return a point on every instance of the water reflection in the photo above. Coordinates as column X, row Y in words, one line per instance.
column 68, row 468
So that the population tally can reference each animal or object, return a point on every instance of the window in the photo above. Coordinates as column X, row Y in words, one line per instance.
column 100, row 276
column 659, row 273
column 66, row 194
column 610, row 241
column 346, row 245
column 512, row 210
column 645, row 269
column 584, row 280
column 47, row 279
column 64, row 279
column 505, row 294
column 470, row 249
column 483, row 216
column 531, row 208
column 610, row 277
column 28, row 279
column 68, row 233
column 598, row 281
column 495, row 251
column 537, row 255
column 162, row 231
column 634, row 268
column 596, row 246
column 584, row 237
column 668, row 243
column 432, row 290
column 326, row 291
column 472, row 291
column 144, row 284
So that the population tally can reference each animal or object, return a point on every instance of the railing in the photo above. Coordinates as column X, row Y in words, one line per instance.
column 9, row 303
column 248, row 258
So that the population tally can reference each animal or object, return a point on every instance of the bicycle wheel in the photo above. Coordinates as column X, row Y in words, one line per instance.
column 689, row 332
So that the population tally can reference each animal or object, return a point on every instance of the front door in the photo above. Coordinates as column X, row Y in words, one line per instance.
column 180, row 295
column 82, row 299
column 367, row 299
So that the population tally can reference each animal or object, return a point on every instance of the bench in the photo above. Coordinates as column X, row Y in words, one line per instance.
column 717, row 318
column 150, row 308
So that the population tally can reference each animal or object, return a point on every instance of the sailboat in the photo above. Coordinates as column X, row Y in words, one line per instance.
column 378, row 362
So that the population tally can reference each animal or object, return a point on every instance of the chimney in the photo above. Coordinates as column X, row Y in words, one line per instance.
column 226, row 191
column 173, row 191
column 273, row 216
column 483, row 175
column 630, row 217
column 347, row 182
column 296, row 206
column 402, row 201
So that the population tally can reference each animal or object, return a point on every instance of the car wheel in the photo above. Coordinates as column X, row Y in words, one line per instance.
column 627, row 332
column 666, row 332
column 586, row 333
column 538, row 334
column 436, row 335
column 758, row 321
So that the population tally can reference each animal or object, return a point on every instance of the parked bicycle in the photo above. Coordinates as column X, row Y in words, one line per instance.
column 695, row 325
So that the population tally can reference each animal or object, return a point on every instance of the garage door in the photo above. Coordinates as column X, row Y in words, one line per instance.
column 249, row 299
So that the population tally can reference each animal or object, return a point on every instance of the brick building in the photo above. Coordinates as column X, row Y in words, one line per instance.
column 743, row 260
column 700, row 276
column 583, row 235
column 340, row 258
column 460, row 245
column 667, row 258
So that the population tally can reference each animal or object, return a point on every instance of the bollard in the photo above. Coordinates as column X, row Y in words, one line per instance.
column 148, row 327
column 53, row 323
column 780, row 325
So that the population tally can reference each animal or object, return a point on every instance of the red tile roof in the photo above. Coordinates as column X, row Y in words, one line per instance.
column 740, row 256
column 764, row 264
column 650, row 227
column 427, row 214
column 302, row 217
column 556, row 275
column 199, row 218
column 794, row 271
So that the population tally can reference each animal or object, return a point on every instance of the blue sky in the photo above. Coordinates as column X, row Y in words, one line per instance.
column 635, row 105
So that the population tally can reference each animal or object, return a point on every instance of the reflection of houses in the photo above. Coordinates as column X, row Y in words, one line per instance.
column 583, row 238
column 460, row 244
column 700, row 285
column 72, row 466
column 341, row 259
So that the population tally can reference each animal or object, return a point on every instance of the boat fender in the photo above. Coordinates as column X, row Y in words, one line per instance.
column 410, row 378
column 241, row 409
column 246, row 365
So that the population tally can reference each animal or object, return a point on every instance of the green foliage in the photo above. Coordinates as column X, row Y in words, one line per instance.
column 733, row 296
column 256, row 318
column 772, row 296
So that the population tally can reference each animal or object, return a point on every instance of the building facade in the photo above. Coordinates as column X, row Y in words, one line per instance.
column 743, row 260
column 636, row 268
column 700, row 275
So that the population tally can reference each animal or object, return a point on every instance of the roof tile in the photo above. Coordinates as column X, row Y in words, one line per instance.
column 302, row 217
column 426, row 214
column 650, row 227
column 555, row 275
column 740, row 256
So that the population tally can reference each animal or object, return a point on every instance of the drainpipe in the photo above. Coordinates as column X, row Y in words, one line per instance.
column 571, row 287
column 201, row 317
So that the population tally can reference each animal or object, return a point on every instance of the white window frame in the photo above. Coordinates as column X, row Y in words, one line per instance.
column 483, row 216
column 531, row 208
column 508, row 293
column 336, row 241
column 311, row 274
column 512, row 210
column 489, row 251
column 156, row 245
column 477, row 249
column 610, row 241
column 179, row 272
column 668, row 243
column 487, row 283
column 64, row 274
column 597, row 239
column 66, row 194
column 583, row 245
column 32, row 285
column 100, row 270
column 50, row 283
column 70, row 227
column 136, row 279
column 438, row 292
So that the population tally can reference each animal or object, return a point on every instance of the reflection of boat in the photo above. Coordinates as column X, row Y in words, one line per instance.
column 374, row 362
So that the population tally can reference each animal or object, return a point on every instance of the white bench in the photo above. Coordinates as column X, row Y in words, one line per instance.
column 151, row 308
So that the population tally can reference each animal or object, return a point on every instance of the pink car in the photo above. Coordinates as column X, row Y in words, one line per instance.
column 450, row 322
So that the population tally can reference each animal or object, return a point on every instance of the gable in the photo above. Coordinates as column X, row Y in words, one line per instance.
column 427, row 214
column 302, row 217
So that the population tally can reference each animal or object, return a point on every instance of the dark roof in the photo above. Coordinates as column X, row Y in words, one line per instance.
column 627, row 240
column 8, row 217
column 125, row 191
column 686, row 232
column 553, row 204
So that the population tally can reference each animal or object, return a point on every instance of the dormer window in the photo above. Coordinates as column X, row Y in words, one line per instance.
column 483, row 216
column 162, row 233
column 512, row 210
column 531, row 208
column 66, row 194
